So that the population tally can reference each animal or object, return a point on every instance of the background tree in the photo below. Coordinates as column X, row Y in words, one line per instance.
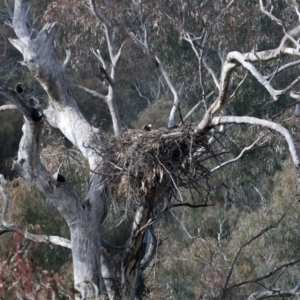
column 136, row 176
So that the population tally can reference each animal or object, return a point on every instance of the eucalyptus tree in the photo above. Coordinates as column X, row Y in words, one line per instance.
column 142, row 172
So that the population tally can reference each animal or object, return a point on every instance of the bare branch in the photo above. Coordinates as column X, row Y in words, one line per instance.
column 20, row 18
column 211, row 71
column 38, row 238
column 264, row 123
column 237, row 158
column 99, row 57
column 176, row 99
column 197, row 106
column 262, row 232
column 192, row 205
column 238, row 86
column 233, row 59
column 7, row 107
column 28, row 105
column 278, row 21
column 118, row 54
column 276, row 292
column 114, row 58
column 183, row 227
column 92, row 92
column 137, row 87
column 29, row 166
column 282, row 68
column 39, row 57
column 67, row 60
column 107, row 26
column 236, row 56
column 5, row 200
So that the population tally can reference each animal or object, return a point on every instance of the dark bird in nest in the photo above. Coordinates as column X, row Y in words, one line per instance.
column 106, row 76
column 147, row 127
column 103, row 72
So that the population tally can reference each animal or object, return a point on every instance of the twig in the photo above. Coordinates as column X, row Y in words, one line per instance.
column 262, row 232
column 237, row 158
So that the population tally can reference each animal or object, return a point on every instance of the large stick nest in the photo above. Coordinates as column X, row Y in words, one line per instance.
column 152, row 166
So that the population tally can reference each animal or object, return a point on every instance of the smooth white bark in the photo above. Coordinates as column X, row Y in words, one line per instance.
column 264, row 123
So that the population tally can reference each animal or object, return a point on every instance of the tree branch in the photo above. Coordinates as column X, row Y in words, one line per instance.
column 99, row 57
column 283, row 266
column 92, row 92
column 282, row 68
column 278, row 21
column 7, row 107
column 176, row 99
column 19, row 19
column 39, row 57
column 67, row 60
column 5, row 201
column 107, row 26
column 28, row 164
column 28, row 105
column 235, row 159
column 264, row 123
column 110, row 78
column 276, row 292
column 262, row 232
column 236, row 58
column 37, row 238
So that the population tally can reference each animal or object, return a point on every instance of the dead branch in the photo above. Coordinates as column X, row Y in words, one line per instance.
column 110, row 77
column 5, row 201
column 192, row 205
column 92, row 92
column 237, row 158
column 67, row 60
column 262, row 232
column 267, row 124
column 37, row 238
column 143, row 43
column 276, row 292
column 7, row 107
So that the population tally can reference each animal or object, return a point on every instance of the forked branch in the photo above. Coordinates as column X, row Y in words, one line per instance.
column 264, row 123
column 143, row 44
column 109, row 75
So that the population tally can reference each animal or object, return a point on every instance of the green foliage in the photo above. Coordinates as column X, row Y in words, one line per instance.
column 31, row 209
column 197, row 262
